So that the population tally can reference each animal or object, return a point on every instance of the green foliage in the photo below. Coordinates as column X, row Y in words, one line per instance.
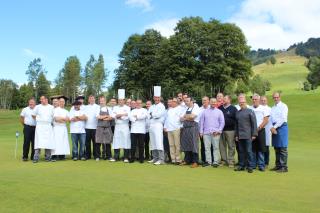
column 314, row 75
column 209, row 54
column 259, row 85
column 273, row 60
column 261, row 55
column 310, row 48
column 306, row 86
column 242, row 87
column 7, row 93
column 42, row 85
column 33, row 72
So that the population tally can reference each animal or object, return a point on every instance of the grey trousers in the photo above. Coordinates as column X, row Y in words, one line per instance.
column 37, row 153
column 158, row 155
column 227, row 146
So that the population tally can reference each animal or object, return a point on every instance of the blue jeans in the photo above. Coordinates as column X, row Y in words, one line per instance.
column 245, row 152
column 78, row 139
column 258, row 158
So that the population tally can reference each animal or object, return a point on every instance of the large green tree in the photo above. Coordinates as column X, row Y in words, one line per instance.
column 33, row 72
column 314, row 74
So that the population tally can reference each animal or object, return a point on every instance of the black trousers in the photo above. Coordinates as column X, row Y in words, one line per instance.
column 191, row 157
column 28, row 139
column 166, row 148
column 106, row 150
column 137, row 140
column 90, row 137
column 117, row 154
column 281, row 157
column 146, row 146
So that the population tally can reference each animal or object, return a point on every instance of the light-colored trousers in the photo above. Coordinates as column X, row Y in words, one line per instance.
column 174, row 143
column 209, row 140
column 227, row 146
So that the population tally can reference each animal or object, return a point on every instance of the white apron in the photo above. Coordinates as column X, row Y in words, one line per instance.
column 61, row 140
column 156, row 136
column 121, row 137
column 44, row 136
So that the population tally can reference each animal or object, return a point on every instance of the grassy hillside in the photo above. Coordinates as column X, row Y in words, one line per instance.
column 117, row 187
column 287, row 75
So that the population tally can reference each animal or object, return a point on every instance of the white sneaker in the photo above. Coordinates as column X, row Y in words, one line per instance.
column 112, row 160
column 158, row 163
column 126, row 161
column 97, row 159
column 151, row 161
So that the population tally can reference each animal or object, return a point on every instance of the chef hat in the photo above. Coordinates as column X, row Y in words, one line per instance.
column 121, row 94
column 157, row 91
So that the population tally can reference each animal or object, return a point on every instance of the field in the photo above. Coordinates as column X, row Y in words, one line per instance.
column 90, row 186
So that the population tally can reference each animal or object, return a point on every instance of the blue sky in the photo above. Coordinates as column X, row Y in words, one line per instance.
column 54, row 30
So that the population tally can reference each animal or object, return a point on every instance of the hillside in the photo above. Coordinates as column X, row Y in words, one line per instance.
column 287, row 75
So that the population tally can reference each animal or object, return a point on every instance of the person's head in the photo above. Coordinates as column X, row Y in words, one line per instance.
column 264, row 100
column 61, row 102
column 179, row 95
column 241, row 96
column 255, row 100
column 184, row 96
column 133, row 104
column 156, row 99
column 148, row 104
column 138, row 103
column 44, row 100
column 169, row 102
column 32, row 103
column 102, row 100
column 80, row 99
column 174, row 102
column 242, row 102
column 205, row 101
column 227, row 100
column 189, row 102
column 77, row 105
column 213, row 102
column 219, row 97
column 113, row 102
column 276, row 97
column 55, row 102
column 121, row 102
column 128, row 102
column 91, row 99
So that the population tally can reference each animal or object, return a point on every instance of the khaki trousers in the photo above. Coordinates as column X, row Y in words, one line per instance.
column 174, row 143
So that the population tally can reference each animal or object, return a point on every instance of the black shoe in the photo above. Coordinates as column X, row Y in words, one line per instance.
column 205, row 164
column 35, row 161
column 239, row 169
column 75, row 159
column 250, row 170
column 215, row 165
column 24, row 159
column 141, row 161
column 275, row 168
column 261, row 169
column 282, row 170
column 131, row 161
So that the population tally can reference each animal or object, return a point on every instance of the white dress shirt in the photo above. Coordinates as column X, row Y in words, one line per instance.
column 138, row 120
column 279, row 114
column 44, row 113
column 27, row 113
column 172, row 119
column 261, row 112
column 121, row 110
column 77, row 126
column 91, row 111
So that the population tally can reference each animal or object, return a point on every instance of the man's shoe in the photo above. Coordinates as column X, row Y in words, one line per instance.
column 35, row 161
column 261, row 169
column 126, row 160
column 183, row 163
column 194, row 165
column 215, row 165
column 282, row 170
column 131, row 161
column 141, row 161
column 53, row 160
column 151, row 161
column 75, row 159
column 231, row 165
column 250, row 170
column 205, row 164
column 275, row 168
column 112, row 160
column 239, row 169
column 83, row 159
column 157, row 163
column 24, row 159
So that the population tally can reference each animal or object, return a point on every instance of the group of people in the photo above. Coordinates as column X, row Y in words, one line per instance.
column 218, row 129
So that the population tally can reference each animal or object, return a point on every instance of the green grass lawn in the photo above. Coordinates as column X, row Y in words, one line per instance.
column 117, row 187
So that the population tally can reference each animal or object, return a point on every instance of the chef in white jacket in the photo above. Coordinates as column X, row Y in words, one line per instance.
column 157, row 114
column 121, row 137
column 61, row 138
column 43, row 114
column 138, row 118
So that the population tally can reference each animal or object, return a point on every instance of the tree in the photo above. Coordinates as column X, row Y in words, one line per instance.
column 42, row 85
column 26, row 92
column 273, row 60
column 314, row 75
column 259, row 85
column 88, row 82
column 34, row 70
column 99, row 76
column 7, row 92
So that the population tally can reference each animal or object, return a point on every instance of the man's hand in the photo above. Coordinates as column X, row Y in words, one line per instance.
column 201, row 135
column 273, row 131
column 236, row 138
column 165, row 130
column 253, row 137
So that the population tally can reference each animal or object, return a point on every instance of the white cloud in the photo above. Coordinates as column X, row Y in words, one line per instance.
column 165, row 26
column 278, row 24
column 144, row 4
column 30, row 53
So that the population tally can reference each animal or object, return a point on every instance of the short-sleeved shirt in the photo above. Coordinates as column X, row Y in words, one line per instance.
column 77, row 126
column 261, row 112
column 27, row 114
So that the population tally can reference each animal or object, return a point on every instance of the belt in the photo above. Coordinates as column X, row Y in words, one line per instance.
column 29, row 126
